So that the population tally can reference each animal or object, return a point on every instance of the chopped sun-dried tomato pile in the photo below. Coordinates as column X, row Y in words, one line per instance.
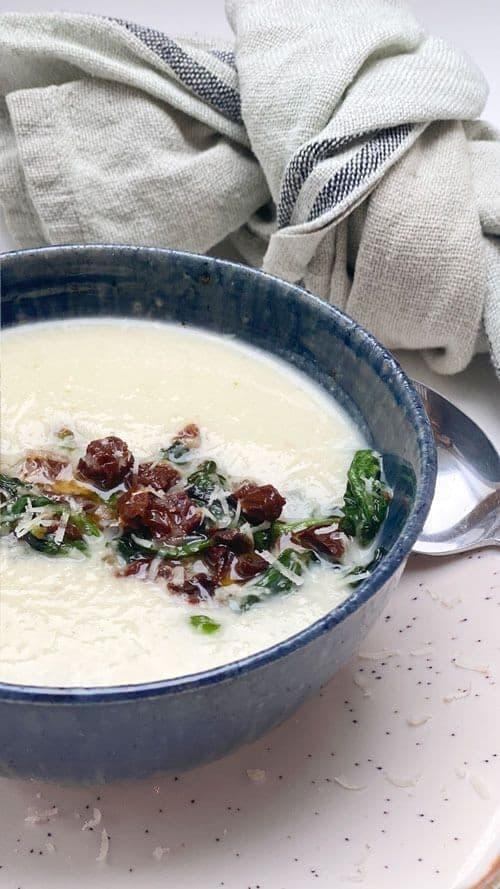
column 178, row 521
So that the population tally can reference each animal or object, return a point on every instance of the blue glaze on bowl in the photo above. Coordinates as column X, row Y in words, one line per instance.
column 101, row 734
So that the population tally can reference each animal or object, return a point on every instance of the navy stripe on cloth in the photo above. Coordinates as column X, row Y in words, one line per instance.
column 202, row 82
column 360, row 169
column 225, row 55
column 299, row 168
column 377, row 147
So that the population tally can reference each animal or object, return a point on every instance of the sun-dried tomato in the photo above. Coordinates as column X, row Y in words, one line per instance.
column 166, row 516
column 197, row 587
column 249, row 565
column 138, row 568
column 190, row 435
column 234, row 539
column 219, row 559
column 326, row 541
column 160, row 476
column 107, row 462
column 166, row 568
column 39, row 468
column 72, row 532
column 204, row 583
column 260, row 503
column 132, row 506
column 178, row 513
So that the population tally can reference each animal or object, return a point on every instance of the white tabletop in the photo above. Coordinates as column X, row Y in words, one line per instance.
column 416, row 732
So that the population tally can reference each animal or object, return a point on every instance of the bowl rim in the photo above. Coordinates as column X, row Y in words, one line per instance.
column 370, row 351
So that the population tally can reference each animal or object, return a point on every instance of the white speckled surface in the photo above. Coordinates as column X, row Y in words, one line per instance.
column 300, row 827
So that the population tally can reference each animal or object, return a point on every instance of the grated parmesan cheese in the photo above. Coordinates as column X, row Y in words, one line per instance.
column 40, row 816
column 418, row 720
column 237, row 514
column 290, row 575
column 153, row 568
column 479, row 786
column 402, row 782
column 94, row 821
column 141, row 541
column 178, row 575
column 379, row 655
column 275, row 563
column 361, row 575
column 208, row 515
column 160, row 851
column 360, row 680
column 450, row 603
column 343, row 782
column 258, row 776
column 104, row 847
column 61, row 528
column 475, row 781
column 465, row 664
column 29, row 519
column 445, row 603
column 457, row 695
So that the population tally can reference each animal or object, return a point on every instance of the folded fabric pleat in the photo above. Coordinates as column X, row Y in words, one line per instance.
column 335, row 144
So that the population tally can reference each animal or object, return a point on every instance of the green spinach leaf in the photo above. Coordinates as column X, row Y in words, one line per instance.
column 204, row 624
column 274, row 582
column 366, row 499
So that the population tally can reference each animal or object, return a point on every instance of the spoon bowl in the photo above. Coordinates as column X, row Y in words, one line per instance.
column 465, row 512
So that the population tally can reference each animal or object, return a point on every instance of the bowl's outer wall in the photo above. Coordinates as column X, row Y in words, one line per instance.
column 100, row 740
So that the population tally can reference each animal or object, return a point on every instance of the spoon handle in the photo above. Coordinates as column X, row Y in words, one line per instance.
column 479, row 528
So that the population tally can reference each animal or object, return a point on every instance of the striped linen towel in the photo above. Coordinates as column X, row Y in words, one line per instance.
column 335, row 144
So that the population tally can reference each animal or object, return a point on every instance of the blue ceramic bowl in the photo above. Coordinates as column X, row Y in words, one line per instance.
column 101, row 734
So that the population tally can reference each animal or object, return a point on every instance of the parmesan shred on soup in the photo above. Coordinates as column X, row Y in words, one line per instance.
column 171, row 501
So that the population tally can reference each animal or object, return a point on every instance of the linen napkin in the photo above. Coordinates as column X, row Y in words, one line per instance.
column 335, row 144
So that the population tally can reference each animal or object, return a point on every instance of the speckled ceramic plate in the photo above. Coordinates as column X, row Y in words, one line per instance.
column 389, row 778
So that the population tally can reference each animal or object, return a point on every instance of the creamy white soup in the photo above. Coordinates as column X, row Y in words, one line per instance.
column 82, row 617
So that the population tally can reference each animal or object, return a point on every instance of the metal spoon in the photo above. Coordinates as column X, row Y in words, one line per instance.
column 465, row 512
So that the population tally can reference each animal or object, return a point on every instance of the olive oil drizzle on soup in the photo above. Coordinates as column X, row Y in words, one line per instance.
column 99, row 612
